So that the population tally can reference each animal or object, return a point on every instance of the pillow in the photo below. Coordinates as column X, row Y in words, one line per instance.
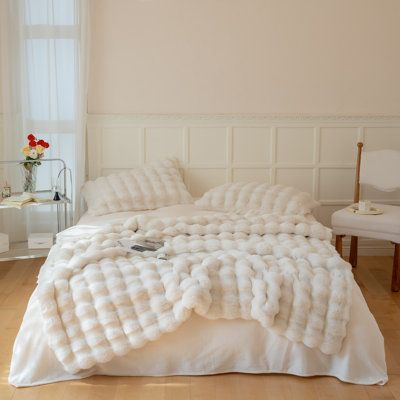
column 242, row 196
column 144, row 188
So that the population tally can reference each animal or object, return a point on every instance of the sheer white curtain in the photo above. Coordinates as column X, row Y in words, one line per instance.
column 44, row 53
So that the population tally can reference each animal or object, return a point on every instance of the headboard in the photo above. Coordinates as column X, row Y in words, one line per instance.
column 315, row 154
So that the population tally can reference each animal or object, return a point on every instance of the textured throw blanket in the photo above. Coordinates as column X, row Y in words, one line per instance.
column 98, row 301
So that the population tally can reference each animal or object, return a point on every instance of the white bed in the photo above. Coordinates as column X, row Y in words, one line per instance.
column 202, row 346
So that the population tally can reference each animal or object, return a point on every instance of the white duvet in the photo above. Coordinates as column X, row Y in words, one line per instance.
column 359, row 359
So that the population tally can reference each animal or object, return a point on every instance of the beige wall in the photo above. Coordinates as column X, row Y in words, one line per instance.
column 245, row 56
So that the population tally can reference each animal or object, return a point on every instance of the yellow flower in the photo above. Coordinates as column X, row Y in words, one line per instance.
column 39, row 149
column 26, row 150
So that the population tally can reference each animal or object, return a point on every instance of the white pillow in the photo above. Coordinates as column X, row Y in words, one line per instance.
column 145, row 188
column 242, row 196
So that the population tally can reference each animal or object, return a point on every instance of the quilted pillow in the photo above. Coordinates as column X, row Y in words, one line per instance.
column 145, row 188
column 243, row 196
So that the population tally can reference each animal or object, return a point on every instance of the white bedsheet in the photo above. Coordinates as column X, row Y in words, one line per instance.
column 203, row 346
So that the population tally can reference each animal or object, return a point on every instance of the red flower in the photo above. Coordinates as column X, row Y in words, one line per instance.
column 32, row 143
column 41, row 142
column 45, row 145
column 30, row 137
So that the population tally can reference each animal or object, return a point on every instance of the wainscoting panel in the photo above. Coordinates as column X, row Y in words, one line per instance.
column 2, row 170
column 314, row 153
column 2, row 180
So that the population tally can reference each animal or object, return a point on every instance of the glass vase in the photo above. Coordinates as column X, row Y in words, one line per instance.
column 29, row 172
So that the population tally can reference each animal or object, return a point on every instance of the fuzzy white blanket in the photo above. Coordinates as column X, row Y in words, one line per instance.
column 99, row 301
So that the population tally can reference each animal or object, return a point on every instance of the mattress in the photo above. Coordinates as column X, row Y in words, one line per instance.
column 202, row 346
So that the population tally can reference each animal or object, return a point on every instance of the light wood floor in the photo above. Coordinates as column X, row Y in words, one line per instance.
column 17, row 281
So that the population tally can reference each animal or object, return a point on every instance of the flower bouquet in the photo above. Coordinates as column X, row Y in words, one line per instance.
column 33, row 152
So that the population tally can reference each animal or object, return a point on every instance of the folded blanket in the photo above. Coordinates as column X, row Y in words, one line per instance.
column 98, row 301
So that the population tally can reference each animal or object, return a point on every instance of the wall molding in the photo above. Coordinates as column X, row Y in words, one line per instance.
column 1, row 167
column 278, row 118
column 297, row 149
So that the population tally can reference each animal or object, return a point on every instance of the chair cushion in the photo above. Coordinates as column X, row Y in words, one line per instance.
column 385, row 226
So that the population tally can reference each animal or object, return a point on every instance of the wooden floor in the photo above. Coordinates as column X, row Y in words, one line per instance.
column 17, row 281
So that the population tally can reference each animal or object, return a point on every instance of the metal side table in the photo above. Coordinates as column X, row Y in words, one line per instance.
column 20, row 250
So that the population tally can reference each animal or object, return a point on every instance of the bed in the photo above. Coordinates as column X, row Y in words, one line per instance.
column 199, row 344
column 203, row 346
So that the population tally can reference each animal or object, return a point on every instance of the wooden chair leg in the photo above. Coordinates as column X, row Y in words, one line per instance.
column 339, row 244
column 353, row 251
column 396, row 268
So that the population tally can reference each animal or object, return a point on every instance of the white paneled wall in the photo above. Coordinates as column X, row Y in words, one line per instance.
column 1, row 169
column 1, row 156
column 315, row 154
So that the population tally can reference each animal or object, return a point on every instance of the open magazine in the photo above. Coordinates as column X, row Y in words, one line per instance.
column 133, row 246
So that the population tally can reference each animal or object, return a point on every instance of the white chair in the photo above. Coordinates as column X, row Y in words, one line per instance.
column 380, row 169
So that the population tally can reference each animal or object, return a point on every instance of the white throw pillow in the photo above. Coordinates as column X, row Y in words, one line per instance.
column 242, row 197
column 145, row 188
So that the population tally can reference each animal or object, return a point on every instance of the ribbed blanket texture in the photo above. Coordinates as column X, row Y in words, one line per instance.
column 98, row 301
